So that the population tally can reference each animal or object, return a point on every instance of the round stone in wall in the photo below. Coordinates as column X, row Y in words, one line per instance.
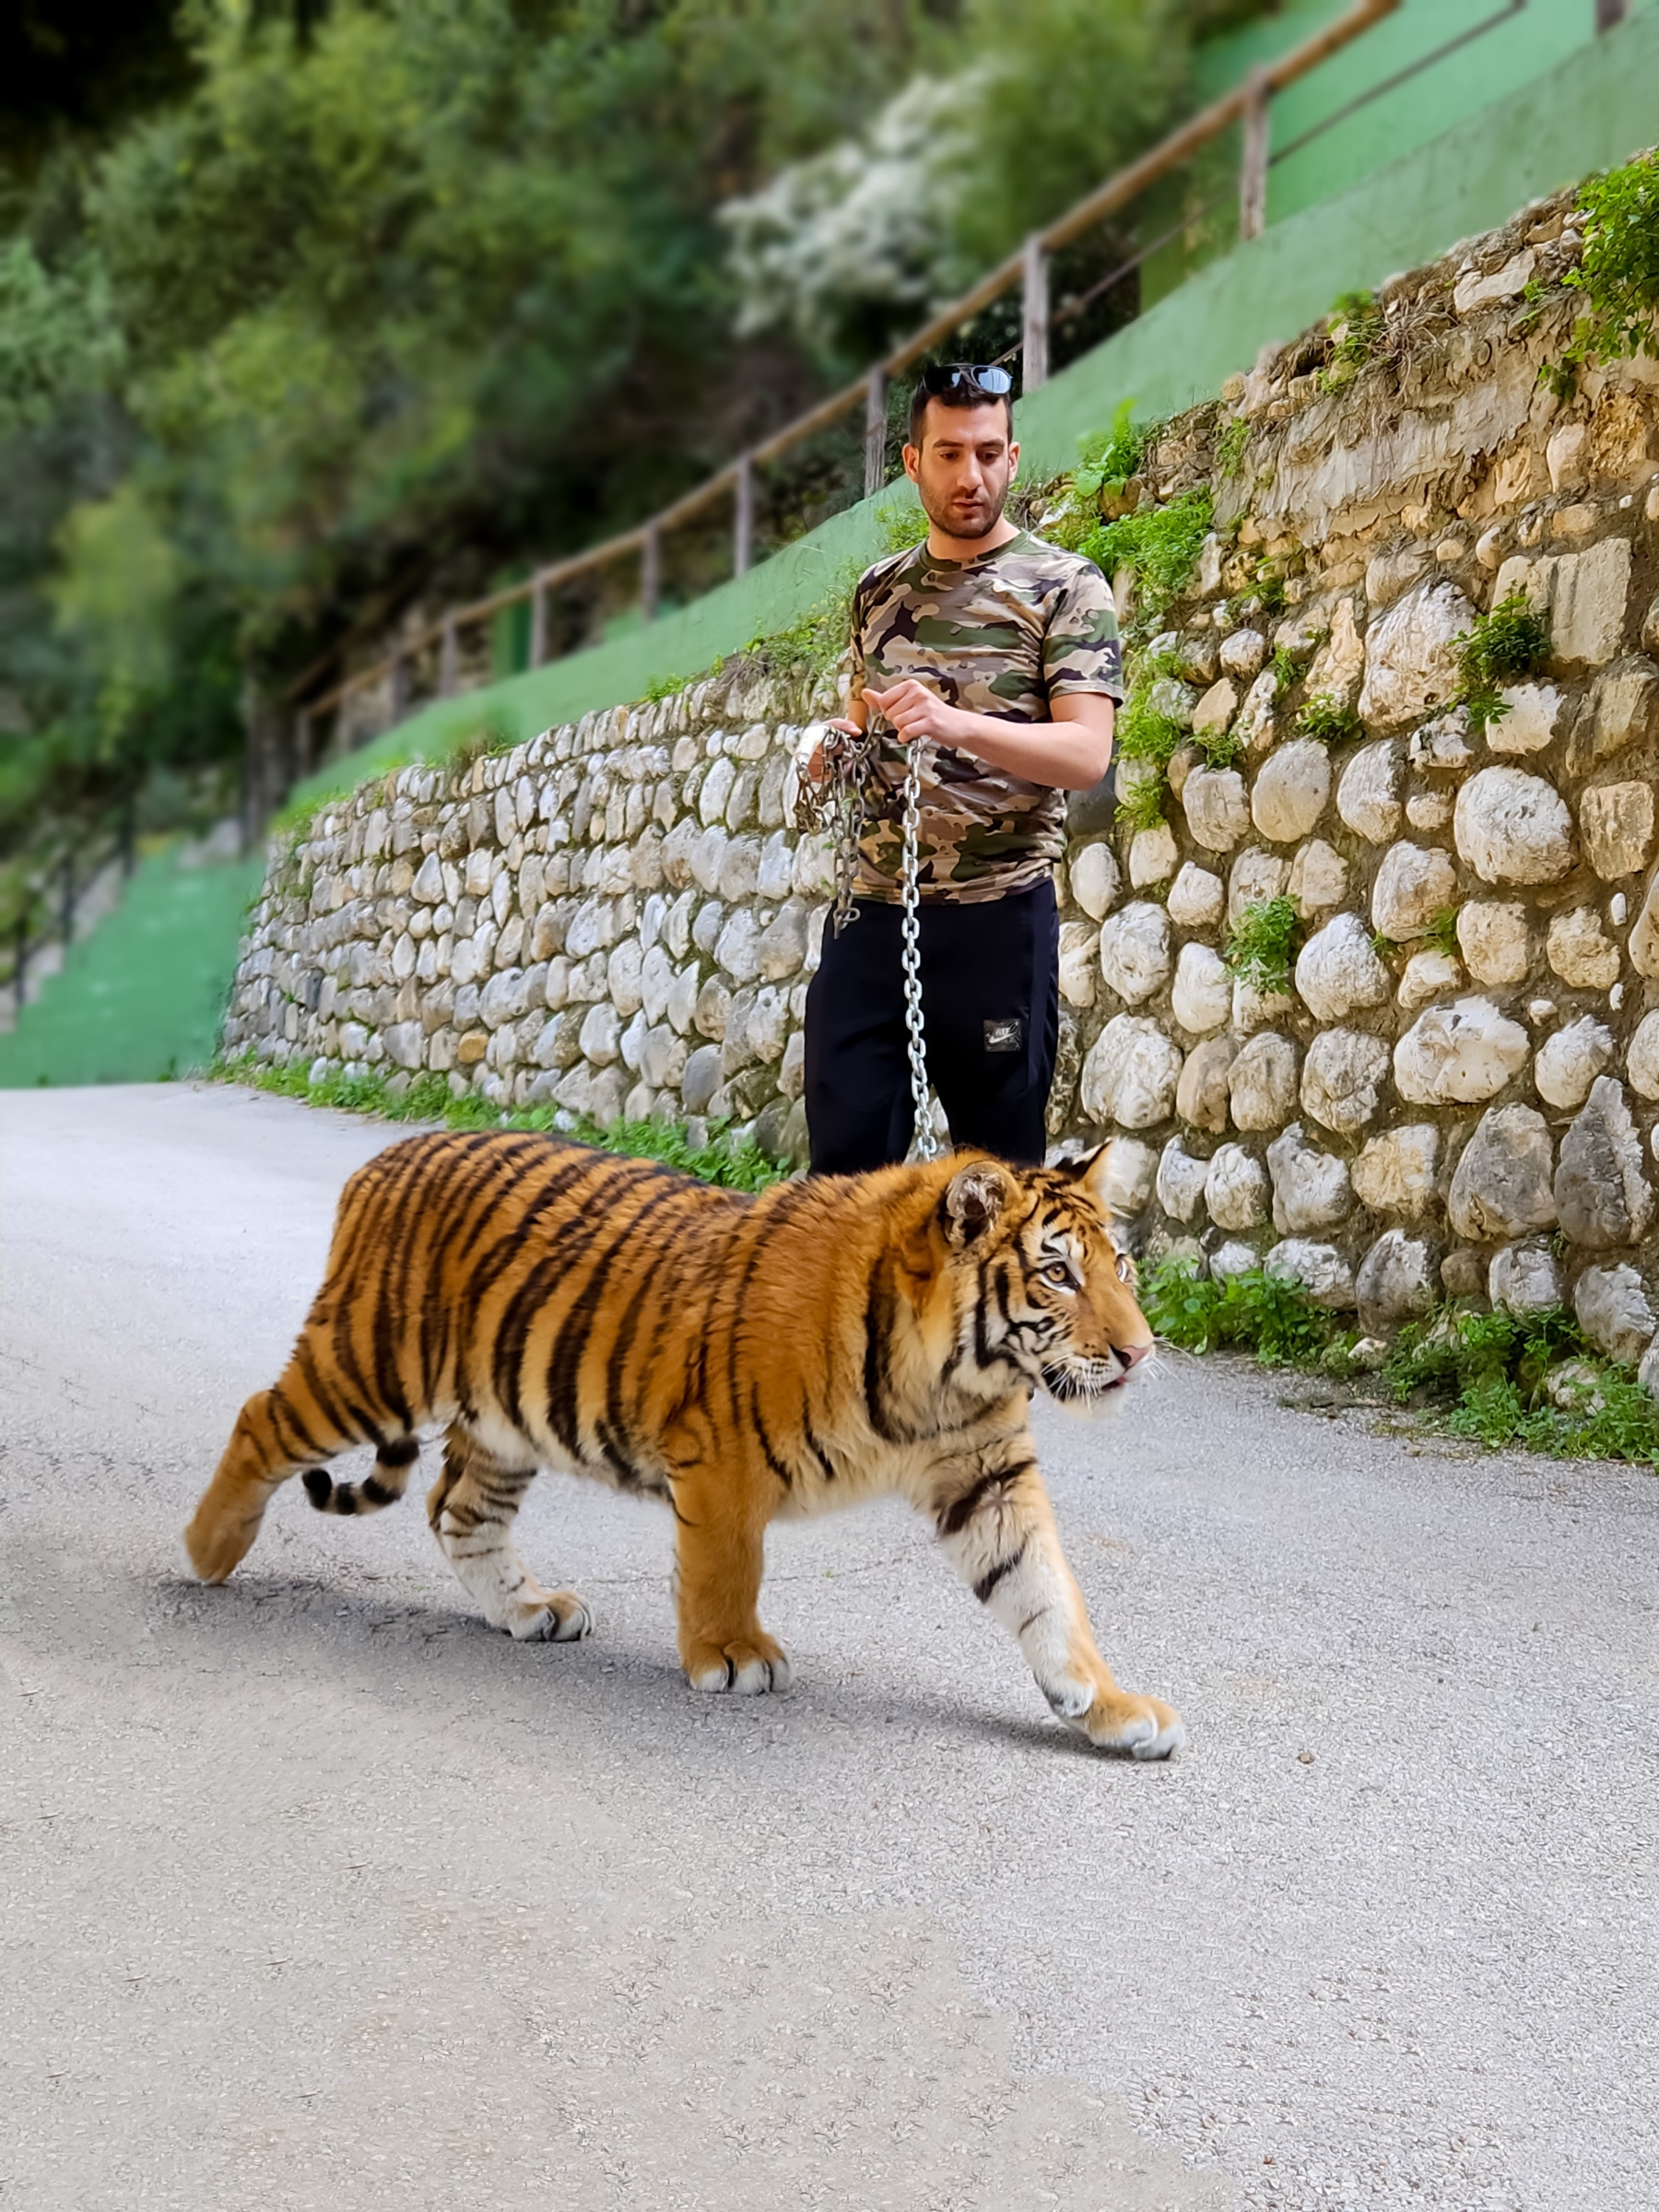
column 1318, row 880
column 1130, row 1075
column 1425, row 976
column 1394, row 1174
column 1602, row 1195
column 1569, row 1062
column 1320, row 1270
column 1095, row 880
column 1262, row 1083
column 1134, row 950
column 1458, row 1054
column 1242, row 654
column 1236, row 1189
column 1217, row 811
column 1311, row 1188
column 1642, row 1061
column 1579, row 952
column 1513, row 827
column 1342, row 1079
column 1504, row 1183
column 1617, row 825
column 1368, row 796
column 1201, row 1096
column 1202, row 998
column 1524, row 1279
column 1291, row 790
column 1338, row 971
column 1196, row 897
column 1414, row 884
column 1493, row 940
column 1397, row 1281
column 1613, row 1311
column 1181, row 1181
column 1411, row 663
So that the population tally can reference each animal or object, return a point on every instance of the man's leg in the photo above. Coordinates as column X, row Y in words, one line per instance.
column 991, row 995
column 858, row 1109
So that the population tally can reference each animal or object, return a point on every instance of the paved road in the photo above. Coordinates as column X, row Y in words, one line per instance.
column 318, row 1894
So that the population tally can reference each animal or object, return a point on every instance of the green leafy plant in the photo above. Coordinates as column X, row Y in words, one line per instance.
column 1441, row 935
column 1158, row 544
column 1262, row 944
column 1485, row 1374
column 1355, row 323
column 1145, row 732
column 1268, row 587
column 1328, row 720
column 739, row 1166
column 1384, row 947
column 902, row 526
column 1108, row 458
column 1141, row 804
column 1230, row 444
column 1221, row 749
column 664, row 687
column 1617, row 274
column 1511, row 642
column 1286, row 668
column 1257, row 1312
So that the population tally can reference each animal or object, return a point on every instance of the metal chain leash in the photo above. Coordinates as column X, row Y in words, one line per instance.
column 840, row 805
column 927, row 1144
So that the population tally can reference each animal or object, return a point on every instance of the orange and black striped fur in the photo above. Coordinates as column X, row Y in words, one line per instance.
column 744, row 1359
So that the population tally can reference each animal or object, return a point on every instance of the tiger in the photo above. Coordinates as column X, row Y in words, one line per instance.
column 742, row 1359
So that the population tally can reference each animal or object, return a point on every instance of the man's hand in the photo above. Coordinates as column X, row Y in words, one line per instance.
column 813, row 767
column 916, row 711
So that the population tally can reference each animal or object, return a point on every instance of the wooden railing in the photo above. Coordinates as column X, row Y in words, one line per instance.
column 1248, row 104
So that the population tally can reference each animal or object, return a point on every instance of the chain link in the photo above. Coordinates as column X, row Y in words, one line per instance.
column 840, row 806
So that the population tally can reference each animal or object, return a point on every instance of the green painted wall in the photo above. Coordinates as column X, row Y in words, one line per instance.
column 1543, row 37
column 141, row 998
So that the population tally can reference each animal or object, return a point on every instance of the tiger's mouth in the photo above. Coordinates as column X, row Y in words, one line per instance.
column 1084, row 1381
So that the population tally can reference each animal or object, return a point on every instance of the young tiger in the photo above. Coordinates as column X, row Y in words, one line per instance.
column 744, row 1359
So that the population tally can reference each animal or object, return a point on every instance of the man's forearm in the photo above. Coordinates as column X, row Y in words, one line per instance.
column 1068, row 756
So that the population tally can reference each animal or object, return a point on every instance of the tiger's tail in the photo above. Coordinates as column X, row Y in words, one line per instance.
column 392, row 1464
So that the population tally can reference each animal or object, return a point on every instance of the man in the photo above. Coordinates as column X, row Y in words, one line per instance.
column 1001, row 654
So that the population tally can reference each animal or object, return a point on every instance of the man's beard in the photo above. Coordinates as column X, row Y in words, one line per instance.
column 984, row 518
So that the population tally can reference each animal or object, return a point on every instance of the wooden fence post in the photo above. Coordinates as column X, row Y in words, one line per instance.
column 399, row 685
column 538, row 621
column 1034, row 348
column 20, row 963
column 1253, row 167
column 449, row 660
column 876, row 389
column 1610, row 13
column 743, row 521
column 651, row 572
column 69, row 905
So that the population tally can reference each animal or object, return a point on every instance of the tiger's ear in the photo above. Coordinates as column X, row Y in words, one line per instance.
column 972, row 1200
column 1093, row 1170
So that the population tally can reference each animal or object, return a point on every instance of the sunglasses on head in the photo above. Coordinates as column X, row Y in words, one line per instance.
column 954, row 378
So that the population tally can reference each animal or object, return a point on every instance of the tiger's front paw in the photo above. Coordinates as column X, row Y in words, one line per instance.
column 551, row 1616
column 748, row 1666
column 1145, row 1727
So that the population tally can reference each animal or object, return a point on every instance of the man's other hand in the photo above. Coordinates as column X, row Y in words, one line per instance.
column 916, row 711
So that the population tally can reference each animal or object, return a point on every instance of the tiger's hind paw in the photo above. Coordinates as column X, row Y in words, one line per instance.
column 748, row 1666
column 552, row 1617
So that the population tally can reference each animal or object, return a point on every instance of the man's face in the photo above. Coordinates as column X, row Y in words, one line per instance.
column 963, row 467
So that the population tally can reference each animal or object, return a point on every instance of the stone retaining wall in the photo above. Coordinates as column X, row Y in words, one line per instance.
column 617, row 919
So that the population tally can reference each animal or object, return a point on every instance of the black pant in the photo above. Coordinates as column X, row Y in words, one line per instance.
column 991, row 1000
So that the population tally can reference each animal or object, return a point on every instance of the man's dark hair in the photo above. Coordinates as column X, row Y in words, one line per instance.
column 962, row 397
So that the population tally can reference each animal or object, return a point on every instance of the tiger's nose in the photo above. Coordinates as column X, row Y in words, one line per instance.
column 1131, row 1353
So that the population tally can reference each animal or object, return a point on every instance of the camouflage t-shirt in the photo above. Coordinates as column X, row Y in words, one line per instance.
column 1004, row 635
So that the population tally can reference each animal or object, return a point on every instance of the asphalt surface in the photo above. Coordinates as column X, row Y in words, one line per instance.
column 317, row 1893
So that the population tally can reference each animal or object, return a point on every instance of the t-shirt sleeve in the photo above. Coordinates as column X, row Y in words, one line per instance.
column 1080, row 647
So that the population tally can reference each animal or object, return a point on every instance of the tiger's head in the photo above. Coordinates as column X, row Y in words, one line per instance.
column 1042, row 1286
